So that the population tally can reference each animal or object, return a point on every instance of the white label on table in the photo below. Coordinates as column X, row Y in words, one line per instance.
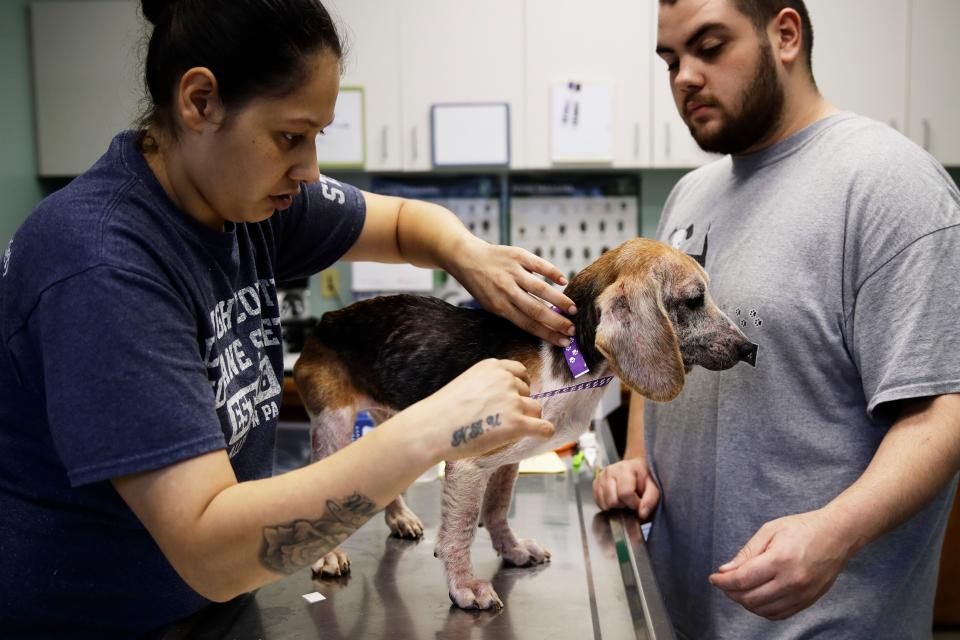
column 314, row 597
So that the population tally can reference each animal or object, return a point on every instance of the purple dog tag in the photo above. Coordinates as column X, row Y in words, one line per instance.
column 576, row 363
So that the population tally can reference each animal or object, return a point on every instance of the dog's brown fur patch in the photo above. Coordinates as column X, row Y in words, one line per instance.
column 322, row 379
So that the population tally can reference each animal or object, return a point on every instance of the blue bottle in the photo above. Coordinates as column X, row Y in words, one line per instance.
column 363, row 424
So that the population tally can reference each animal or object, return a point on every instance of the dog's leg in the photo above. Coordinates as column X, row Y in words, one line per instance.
column 330, row 431
column 331, row 401
column 496, row 504
column 462, row 492
column 403, row 522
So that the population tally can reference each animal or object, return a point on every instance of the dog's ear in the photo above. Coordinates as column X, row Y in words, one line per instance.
column 635, row 336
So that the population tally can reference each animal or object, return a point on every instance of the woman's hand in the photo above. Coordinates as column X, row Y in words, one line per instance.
column 486, row 407
column 502, row 278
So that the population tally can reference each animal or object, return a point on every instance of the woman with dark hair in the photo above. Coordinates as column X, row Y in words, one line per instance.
column 140, row 365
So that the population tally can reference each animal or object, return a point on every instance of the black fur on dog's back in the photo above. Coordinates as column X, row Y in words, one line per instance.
column 400, row 349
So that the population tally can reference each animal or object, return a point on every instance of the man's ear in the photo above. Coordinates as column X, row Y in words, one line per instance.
column 637, row 339
column 198, row 99
column 786, row 36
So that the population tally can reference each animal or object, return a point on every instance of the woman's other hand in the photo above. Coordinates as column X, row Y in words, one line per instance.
column 485, row 408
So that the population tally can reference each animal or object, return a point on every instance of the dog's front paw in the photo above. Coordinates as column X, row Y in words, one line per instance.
column 526, row 552
column 475, row 594
column 404, row 523
column 335, row 563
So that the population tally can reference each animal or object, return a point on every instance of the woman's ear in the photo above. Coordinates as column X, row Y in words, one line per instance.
column 637, row 339
column 198, row 100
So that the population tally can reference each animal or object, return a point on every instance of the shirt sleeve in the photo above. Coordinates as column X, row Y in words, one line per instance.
column 905, row 338
column 125, row 385
column 323, row 223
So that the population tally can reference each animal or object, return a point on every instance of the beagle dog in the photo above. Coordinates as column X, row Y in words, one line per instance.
column 644, row 315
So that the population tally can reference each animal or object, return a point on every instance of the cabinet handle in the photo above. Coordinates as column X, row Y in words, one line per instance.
column 413, row 144
column 383, row 140
column 636, row 140
column 666, row 138
column 926, row 134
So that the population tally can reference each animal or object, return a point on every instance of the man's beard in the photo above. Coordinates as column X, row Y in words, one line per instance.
column 760, row 112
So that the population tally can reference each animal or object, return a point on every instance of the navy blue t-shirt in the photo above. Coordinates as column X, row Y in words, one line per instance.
column 134, row 337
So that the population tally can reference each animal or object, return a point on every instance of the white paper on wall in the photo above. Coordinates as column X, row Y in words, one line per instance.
column 582, row 122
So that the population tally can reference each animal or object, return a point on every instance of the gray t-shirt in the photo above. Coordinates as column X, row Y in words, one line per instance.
column 837, row 251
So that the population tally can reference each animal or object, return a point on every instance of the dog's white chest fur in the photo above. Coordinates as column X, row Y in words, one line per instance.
column 569, row 412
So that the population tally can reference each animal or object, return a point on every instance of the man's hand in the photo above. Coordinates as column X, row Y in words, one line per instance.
column 787, row 565
column 627, row 484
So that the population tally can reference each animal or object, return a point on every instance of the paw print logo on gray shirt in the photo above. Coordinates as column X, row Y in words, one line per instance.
column 751, row 316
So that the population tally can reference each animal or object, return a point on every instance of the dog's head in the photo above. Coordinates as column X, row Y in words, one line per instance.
column 645, row 307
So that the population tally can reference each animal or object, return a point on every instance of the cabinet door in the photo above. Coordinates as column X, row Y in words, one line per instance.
column 860, row 56
column 464, row 51
column 371, row 32
column 86, row 73
column 565, row 43
column 673, row 146
column 934, row 85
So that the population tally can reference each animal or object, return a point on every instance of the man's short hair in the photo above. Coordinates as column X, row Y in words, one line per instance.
column 761, row 12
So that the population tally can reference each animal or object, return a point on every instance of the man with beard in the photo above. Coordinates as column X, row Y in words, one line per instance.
column 806, row 496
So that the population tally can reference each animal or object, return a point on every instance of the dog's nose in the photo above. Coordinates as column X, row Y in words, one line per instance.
column 748, row 353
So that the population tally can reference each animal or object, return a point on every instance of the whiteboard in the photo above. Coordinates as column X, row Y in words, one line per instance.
column 582, row 122
column 342, row 143
column 476, row 134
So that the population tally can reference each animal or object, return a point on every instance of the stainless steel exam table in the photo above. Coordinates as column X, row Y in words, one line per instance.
column 598, row 585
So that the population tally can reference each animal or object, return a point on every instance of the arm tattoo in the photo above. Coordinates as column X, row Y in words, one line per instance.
column 290, row 547
column 473, row 430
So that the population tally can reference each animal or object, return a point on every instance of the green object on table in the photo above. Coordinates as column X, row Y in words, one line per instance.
column 577, row 460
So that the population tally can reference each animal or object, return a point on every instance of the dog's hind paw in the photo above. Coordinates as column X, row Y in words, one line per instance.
column 335, row 563
column 404, row 524
column 526, row 553
column 476, row 594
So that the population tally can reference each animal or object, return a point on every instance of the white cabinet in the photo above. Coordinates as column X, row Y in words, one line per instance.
column 371, row 34
column 860, row 53
column 673, row 146
column 86, row 73
column 886, row 59
column 934, row 83
column 610, row 43
column 463, row 51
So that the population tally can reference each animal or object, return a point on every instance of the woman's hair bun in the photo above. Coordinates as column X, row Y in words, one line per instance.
column 157, row 11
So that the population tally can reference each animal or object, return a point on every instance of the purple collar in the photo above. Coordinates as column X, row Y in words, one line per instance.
column 589, row 384
column 576, row 363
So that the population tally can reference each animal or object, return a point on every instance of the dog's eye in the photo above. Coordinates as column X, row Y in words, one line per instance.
column 694, row 303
